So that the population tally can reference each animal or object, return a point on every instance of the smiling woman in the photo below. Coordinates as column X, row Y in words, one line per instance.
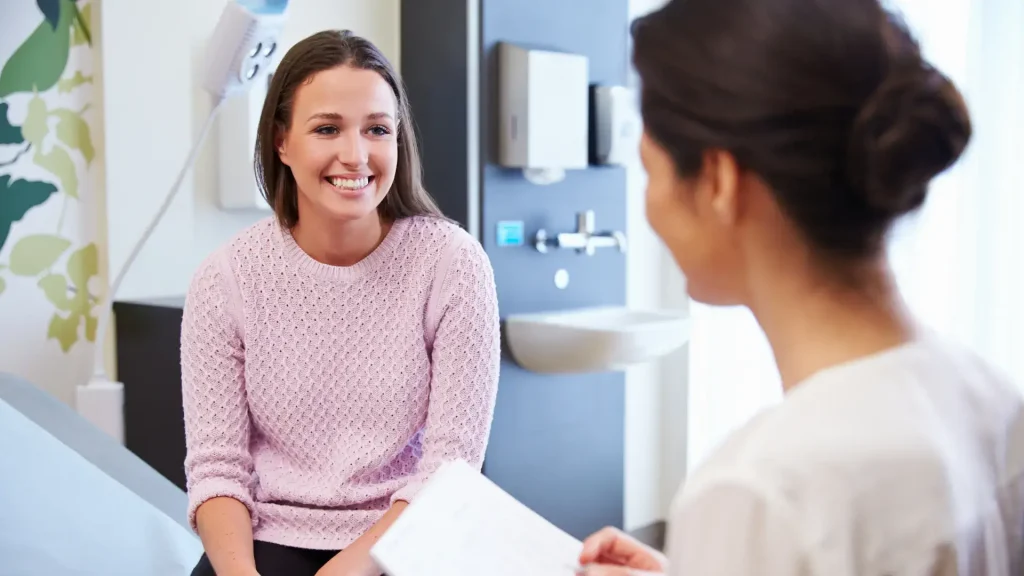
column 338, row 94
column 341, row 146
column 309, row 422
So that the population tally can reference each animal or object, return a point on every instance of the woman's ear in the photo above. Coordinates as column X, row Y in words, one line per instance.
column 280, row 144
column 723, row 174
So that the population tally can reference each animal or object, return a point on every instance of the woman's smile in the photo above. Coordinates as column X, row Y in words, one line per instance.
column 350, row 185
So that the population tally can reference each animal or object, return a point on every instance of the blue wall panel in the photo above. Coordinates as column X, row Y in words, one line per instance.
column 558, row 441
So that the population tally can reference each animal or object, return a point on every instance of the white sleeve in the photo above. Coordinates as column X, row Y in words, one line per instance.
column 730, row 528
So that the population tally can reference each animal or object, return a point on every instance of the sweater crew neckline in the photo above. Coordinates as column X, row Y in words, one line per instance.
column 308, row 265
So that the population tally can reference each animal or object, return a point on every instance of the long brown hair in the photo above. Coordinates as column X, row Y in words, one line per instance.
column 319, row 52
column 829, row 101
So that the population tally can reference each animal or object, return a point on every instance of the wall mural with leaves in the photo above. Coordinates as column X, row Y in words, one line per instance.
column 47, row 201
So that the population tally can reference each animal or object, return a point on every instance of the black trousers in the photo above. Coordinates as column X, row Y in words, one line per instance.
column 277, row 560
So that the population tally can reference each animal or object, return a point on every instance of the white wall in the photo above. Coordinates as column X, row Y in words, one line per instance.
column 156, row 108
column 643, row 466
column 656, row 394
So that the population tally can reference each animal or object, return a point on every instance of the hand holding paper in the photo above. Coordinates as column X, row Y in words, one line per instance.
column 462, row 524
column 610, row 570
column 613, row 547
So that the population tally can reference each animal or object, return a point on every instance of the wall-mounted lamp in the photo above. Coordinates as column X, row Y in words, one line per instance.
column 238, row 57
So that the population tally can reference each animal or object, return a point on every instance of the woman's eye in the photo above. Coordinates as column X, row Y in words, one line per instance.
column 327, row 130
column 379, row 130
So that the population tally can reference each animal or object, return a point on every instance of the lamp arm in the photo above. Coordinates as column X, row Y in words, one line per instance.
column 99, row 371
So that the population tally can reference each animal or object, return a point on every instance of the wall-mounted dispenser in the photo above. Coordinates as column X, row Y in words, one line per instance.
column 615, row 125
column 543, row 112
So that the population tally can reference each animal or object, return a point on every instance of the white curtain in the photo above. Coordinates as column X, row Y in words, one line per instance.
column 960, row 261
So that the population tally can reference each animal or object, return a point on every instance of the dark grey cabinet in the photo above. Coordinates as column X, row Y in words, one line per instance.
column 149, row 365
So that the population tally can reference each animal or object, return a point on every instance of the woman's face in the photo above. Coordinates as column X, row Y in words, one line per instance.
column 342, row 145
column 695, row 218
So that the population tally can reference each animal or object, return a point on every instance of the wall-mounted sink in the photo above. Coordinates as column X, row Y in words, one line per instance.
column 593, row 339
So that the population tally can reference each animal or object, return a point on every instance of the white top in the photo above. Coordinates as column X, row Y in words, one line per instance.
column 908, row 462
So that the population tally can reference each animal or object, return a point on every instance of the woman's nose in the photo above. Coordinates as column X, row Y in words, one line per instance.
column 351, row 149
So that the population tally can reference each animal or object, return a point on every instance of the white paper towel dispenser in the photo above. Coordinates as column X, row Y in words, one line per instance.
column 543, row 105
column 617, row 125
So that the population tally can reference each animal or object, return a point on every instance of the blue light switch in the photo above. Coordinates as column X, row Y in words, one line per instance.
column 510, row 233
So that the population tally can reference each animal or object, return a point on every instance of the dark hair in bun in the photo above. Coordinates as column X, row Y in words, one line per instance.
column 829, row 101
column 911, row 129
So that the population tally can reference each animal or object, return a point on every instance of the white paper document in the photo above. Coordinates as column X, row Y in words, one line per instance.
column 462, row 524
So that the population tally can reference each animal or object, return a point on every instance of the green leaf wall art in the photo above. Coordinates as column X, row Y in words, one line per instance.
column 32, row 255
column 38, row 63
column 58, row 162
column 17, row 198
column 81, row 25
column 8, row 134
column 83, row 264
column 74, row 132
column 56, row 138
column 50, row 10
column 66, row 85
column 34, row 128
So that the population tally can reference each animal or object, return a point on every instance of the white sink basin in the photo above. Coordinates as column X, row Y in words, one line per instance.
column 593, row 339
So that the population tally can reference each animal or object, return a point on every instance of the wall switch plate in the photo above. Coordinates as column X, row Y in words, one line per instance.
column 511, row 233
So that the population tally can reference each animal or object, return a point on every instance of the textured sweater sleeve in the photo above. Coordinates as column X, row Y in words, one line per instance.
column 217, row 428
column 465, row 361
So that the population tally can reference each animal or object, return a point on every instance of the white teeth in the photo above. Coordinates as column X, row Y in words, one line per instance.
column 349, row 183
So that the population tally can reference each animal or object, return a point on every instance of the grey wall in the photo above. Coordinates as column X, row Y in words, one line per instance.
column 557, row 442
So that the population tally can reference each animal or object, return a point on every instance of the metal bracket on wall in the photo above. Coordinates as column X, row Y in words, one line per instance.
column 584, row 240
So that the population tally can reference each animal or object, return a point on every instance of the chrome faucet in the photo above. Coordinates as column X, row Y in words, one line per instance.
column 583, row 240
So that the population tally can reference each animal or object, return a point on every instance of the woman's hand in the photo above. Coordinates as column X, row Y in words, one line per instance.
column 355, row 559
column 609, row 570
column 616, row 553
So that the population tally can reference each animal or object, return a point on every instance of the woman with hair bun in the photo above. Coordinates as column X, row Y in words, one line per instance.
column 782, row 141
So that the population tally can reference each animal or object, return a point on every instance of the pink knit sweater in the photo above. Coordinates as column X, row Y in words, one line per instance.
column 318, row 395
